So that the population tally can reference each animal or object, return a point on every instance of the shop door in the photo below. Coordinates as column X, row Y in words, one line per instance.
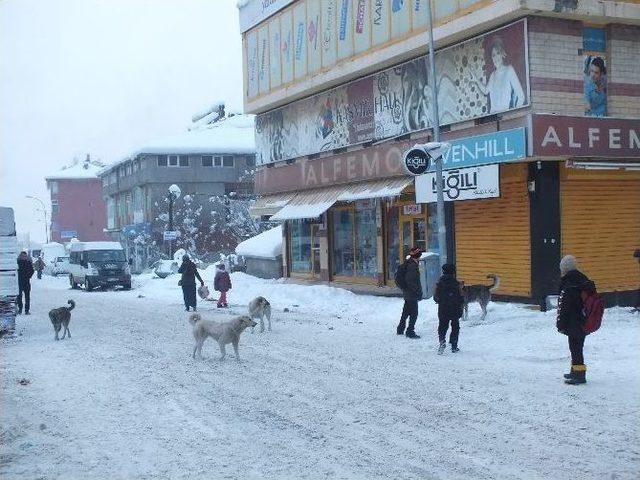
column 413, row 233
column 315, row 251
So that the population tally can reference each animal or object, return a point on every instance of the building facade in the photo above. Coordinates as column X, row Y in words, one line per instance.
column 77, row 207
column 539, row 100
column 212, row 165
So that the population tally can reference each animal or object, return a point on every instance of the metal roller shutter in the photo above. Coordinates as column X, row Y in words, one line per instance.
column 493, row 235
column 600, row 213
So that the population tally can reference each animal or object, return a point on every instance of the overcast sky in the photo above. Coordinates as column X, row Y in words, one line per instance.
column 102, row 76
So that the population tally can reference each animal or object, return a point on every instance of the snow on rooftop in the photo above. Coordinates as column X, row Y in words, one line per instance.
column 78, row 170
column 229, row 135
column 264, row 245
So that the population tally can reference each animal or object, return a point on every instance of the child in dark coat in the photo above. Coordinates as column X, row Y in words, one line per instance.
column 449, row 298
column 222, row 284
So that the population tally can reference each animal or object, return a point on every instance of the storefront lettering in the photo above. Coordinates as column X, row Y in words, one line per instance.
column 593, row 136
column 490, row 148
column 360, row 166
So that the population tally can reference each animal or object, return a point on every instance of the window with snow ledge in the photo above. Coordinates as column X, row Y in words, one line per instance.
column 55, row 207
column 217, row 161
column 162, row 160
column 207, row 161
column 227, row 161
column 54, row 187
column 184, row 161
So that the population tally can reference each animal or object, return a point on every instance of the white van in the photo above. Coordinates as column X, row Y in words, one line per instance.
column 98, row 264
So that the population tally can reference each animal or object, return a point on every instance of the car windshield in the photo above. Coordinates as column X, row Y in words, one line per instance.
column 106, row 256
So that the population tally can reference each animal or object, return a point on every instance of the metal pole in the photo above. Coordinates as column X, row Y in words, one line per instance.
column 442, row 227
column 170, row 223
column 44, row 212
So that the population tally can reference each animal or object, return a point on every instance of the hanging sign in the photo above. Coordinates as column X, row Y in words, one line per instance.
column 460, row 184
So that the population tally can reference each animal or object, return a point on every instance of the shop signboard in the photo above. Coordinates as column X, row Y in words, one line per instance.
column 473, row 82
column 68, row 234
column 562, row 136
column 497, row 147
column 461, row 184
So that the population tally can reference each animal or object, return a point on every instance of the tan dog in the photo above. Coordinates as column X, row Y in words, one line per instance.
column 222, row 332
column 259, row 307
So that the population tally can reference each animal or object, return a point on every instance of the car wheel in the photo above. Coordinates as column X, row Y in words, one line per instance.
column 72, row 282
column 87, row 285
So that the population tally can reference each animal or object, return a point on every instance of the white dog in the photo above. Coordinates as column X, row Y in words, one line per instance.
column 259, row 307
column 222, row 332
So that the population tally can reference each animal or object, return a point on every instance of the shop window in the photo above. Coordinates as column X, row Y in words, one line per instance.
column 300, row 241
column 355, row 240
column 393, row 242
column 432, row 231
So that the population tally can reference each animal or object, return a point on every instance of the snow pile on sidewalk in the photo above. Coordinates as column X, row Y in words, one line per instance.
column 264, row 245
column 332, row 392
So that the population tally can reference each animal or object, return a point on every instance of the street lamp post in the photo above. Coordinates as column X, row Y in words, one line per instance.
column 442, row 227
column 44, row 211
column 174, row 193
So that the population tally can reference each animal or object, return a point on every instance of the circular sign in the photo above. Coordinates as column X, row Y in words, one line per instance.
column 416, row 161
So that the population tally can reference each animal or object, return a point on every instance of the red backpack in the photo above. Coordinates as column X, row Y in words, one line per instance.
column 592, row 307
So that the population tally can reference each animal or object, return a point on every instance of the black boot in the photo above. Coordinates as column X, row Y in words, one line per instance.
column 442, row 346
column 578, row 375
column 401, row 327
column 454, row 349
column 411, row 334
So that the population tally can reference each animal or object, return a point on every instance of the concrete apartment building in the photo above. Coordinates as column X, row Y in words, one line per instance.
column 77, row 207
column 207, row 161
column 540, row 100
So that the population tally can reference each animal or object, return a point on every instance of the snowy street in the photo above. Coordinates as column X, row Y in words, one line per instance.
column 331, row 392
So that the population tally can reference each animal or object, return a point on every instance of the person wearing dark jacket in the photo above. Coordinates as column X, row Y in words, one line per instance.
column 570, row 317
column 412, row 293
column 222, row 284
column 448, row 296
column 189, row 273
column 39, row 266
column 25, row 272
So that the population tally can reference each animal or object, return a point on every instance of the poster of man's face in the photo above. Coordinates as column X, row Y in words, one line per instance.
column 595, row 86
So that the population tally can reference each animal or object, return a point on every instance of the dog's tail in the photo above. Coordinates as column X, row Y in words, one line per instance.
column 194, row 318
column 496, row 282
column 72, row 305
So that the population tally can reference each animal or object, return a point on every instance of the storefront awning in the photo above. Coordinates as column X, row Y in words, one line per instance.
column 270, row 204
column 313, row 203
column 391, row 187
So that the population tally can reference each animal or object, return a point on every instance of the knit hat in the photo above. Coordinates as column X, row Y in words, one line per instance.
column 185, row 257
column 415, row 252
column 449, row 269
column 567, row 264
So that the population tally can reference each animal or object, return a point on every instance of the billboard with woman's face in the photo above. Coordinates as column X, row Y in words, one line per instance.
column 482, row 76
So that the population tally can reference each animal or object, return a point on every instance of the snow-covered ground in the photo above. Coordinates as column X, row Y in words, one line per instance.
column 332, row 392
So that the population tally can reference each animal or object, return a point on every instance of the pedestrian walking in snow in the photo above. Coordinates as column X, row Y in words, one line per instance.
column 189, row 273
column 448, row 296
column 222, row 284
column 570, row 316
column 25, row 272
column 39, row 266
column 408, row 280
